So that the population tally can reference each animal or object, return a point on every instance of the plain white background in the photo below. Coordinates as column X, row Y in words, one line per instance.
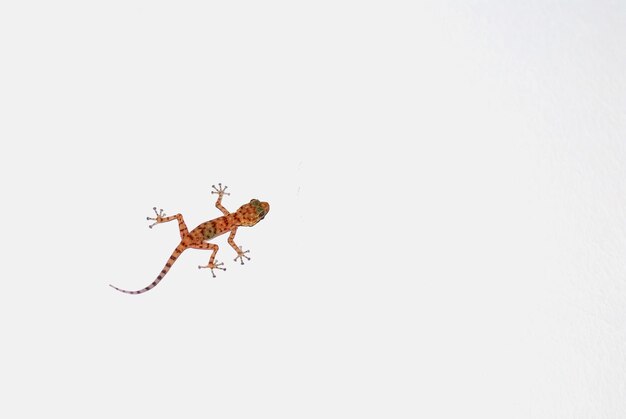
column 447, row 234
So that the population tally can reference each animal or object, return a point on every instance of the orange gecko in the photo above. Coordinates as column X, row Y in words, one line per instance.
column 247, row 215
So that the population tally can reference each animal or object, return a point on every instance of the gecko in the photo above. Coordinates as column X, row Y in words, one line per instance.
column 247, row 215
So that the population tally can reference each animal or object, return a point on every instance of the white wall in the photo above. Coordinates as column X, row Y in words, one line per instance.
column 447, row 235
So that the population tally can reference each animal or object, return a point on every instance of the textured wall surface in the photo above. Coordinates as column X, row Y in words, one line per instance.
column 447, row 234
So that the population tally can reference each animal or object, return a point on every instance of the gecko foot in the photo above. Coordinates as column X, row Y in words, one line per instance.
column 159, row 217
column 241, row 255
column 219, row 190
column 212, row 266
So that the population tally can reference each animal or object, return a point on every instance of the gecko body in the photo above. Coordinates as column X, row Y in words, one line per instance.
column 246, row 216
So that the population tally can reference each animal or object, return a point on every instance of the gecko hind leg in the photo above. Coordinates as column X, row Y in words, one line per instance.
column 213, row 264
column 161, row 218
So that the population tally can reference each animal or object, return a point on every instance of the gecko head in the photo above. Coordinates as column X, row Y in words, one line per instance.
column 254, row 211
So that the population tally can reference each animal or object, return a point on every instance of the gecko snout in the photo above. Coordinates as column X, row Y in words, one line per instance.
column 264, row 208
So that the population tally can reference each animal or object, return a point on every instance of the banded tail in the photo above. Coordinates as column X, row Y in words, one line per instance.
column 177, row 252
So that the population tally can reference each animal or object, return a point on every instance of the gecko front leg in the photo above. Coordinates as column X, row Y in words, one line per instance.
column 220, row 194
column 240, row 253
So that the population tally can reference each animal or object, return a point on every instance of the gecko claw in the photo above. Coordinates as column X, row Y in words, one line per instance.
column 220, row 191
column 158, row 219
column 212, row 266
column 242, row 255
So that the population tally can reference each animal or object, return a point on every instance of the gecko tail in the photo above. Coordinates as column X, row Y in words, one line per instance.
column 175, row 254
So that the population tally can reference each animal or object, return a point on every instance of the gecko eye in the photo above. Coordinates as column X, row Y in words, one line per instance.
column 254, row 201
